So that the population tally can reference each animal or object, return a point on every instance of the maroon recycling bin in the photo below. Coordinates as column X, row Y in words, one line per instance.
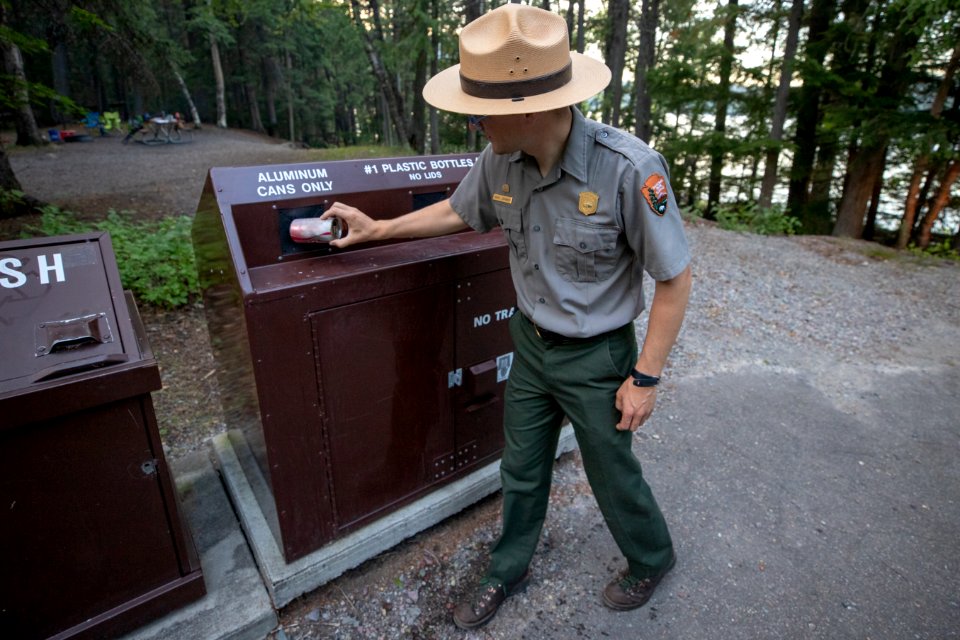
column 364, row 378
column 92, row 543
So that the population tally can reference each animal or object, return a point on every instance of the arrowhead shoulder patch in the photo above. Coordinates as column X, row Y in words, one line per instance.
column 655, row 193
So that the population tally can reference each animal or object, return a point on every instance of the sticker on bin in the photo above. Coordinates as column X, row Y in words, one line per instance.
column 504, row 363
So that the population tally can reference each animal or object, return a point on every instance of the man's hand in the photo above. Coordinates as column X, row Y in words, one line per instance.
column 360, row 226
column 635, row 405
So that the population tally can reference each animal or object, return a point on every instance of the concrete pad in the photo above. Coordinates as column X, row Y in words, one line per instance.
column 236, row 606
column 285, row 581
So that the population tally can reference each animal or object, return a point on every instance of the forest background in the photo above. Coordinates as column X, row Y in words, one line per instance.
column 820, row 116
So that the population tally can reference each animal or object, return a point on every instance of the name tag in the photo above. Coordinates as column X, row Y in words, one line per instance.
column 499, row 197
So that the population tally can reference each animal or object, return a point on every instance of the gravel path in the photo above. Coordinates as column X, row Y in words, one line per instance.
column 823, row 305
column 92, row 177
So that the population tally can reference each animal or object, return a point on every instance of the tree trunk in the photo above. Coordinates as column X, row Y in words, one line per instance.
column 194, row 114
column 817, row 214
column 27, row 131
column 575, row 25
column 939, row 202
column 271, row 75
column 923, row 161
column 394, row 102
column 220, row 84
column 418, row 117
column 646, row 57
column 288, row 82
column 8, row 179
column 723, row 101
column 471, row 11
column 869, row 230
column 780, row 107
column 11, row 206
column 26, row 125
column 61, row 82
column 581, row 25
column 434, row 67
column 418, row 125
column 856, row 192
column 892, row 87
column 808, row 110
column 253, row 103
column 615, row 53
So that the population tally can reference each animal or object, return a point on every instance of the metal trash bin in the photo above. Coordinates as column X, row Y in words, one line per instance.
column 364, row 378
column 92, row 543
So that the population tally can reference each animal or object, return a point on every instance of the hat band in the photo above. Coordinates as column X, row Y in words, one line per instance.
column 518, row 89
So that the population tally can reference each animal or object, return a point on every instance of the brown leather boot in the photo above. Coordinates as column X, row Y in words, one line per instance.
column 629, row 592
column 479, row 608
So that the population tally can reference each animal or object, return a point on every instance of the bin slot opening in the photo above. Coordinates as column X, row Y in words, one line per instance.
column 421, row 200
column 79, row 366
column 56, row 336
column 288, row 246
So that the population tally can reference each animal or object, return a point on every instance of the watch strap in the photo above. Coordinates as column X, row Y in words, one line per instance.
column 643, row 380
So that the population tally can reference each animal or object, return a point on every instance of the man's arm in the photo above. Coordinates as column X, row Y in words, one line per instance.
column 435, row 220
column 666, row 315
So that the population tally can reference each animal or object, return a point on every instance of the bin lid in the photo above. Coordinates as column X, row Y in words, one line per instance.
column 62, row 310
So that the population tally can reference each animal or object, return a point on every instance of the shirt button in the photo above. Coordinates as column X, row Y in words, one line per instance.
column 536, row 267
column 604, row 134
column 536, row 227
column 542, row 300
column 583, row 245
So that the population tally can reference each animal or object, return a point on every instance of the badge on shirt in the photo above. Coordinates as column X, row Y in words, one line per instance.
column 588, row 203
column 499, row 197
column 655, row 193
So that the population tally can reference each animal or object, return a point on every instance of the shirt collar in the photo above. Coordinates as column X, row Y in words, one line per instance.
column 574, row 160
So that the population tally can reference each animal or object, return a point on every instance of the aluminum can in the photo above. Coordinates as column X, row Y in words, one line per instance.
column 316, row 230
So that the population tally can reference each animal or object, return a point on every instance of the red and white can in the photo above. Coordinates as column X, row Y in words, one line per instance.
column 316, row 230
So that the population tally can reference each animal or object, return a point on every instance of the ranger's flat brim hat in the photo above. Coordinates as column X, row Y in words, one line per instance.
column 516, row 59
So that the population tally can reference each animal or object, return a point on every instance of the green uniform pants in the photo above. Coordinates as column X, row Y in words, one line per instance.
column 580, row 381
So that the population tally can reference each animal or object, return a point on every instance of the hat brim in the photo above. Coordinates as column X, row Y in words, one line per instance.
column 590, row 77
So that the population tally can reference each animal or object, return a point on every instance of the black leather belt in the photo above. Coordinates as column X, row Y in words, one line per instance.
column 556, row 339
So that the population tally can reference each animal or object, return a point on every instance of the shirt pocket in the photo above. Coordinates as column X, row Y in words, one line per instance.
column 511, row 220
column 586, row 252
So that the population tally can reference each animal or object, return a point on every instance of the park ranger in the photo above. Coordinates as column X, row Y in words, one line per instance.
column 585, row 209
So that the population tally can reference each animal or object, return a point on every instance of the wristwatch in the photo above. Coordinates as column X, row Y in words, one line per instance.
column 643, row 380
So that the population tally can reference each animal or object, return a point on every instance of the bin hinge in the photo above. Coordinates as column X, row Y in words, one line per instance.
column 149, row 467
column 451, row 462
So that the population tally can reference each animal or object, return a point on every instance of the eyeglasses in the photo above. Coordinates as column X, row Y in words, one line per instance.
column 476, row 122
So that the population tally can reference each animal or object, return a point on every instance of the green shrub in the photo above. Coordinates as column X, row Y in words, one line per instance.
column 155, row 258
column 936, row 250
column 747, row 216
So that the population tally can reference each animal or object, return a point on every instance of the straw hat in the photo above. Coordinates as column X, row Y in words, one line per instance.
column 516, row 59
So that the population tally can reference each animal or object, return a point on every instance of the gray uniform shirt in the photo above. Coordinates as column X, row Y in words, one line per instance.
column 581, row 237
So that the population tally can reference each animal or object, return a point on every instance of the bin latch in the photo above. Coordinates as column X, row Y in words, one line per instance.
column 62, row 335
